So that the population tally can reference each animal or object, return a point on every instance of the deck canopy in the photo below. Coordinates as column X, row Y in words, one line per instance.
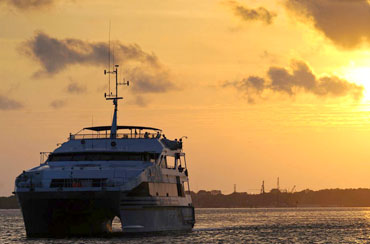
column 121, row 127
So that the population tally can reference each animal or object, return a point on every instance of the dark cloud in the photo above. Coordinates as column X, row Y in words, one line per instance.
column 9, row 104
column 54, row 55
column 140, row 101
column 248, row 14
column 28, row 4
column 149, row 81
column 299, row 78
column 252, row 86
column 57, row 104
column 345, row 22
column 75, row 88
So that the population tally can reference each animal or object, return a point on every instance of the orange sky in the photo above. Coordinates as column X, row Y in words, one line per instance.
column 263, row 89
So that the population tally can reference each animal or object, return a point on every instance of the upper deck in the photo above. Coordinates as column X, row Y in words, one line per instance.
column 129, row 139
column 127, row 132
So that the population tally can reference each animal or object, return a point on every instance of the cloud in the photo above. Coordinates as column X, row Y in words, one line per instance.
column 75, row 88
column 345, row 22
column 28, row 4
column 150, row 81
column 57, row 104
column 9, row 104
column 299, row 78
column 54, row 55
column 140, row 101
column 248, row 14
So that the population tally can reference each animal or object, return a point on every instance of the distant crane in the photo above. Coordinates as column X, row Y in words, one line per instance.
column 263, row 187
column 234, row 188
column 293, row 189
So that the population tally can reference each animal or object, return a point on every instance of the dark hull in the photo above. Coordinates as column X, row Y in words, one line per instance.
column 68, row 213
column 60, row 214
column 157, row 218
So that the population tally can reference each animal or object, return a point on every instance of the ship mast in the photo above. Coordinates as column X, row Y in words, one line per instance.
column 115, row 98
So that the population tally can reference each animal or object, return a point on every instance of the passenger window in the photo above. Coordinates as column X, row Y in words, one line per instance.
column 78, row 157
column 135, row 157
column 105, row 157
column 63, row 158
column 96, row 156
column 171, row 163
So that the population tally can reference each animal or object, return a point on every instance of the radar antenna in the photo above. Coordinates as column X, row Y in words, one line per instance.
column 115, row 98
column 109, row 59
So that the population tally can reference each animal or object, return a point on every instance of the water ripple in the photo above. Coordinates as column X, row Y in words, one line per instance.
column 302, row 225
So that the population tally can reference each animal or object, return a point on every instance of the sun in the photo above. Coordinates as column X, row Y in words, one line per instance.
column 360, row 76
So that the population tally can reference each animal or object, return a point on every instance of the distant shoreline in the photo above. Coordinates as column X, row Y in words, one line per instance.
column 274, row 199
column 8, row 202
column 278, row 199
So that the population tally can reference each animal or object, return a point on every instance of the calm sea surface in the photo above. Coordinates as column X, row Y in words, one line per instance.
column 302, row 225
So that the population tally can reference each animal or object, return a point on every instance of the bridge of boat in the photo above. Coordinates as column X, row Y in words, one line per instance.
column 123, row 132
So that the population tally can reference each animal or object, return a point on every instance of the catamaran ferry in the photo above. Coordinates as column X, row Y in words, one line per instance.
column 131, row 172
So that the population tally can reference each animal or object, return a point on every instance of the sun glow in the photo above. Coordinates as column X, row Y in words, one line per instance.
column 360, row 76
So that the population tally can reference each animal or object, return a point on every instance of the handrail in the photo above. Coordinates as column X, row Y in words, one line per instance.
column 118, row 136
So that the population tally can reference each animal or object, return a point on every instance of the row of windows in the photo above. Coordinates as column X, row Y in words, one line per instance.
column 72, row 183
column 102, row 156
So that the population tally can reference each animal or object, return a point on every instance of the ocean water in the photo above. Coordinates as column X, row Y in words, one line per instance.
column 294, row 225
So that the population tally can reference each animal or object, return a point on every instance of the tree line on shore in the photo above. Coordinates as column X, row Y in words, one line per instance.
column 275, row 198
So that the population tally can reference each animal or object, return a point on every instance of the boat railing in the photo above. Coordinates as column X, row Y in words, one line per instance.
column 146, row 135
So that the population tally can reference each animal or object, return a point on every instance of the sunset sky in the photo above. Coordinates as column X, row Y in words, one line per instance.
column 262, row 88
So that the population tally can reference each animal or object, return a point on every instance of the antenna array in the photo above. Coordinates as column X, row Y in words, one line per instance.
column 110, row 96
